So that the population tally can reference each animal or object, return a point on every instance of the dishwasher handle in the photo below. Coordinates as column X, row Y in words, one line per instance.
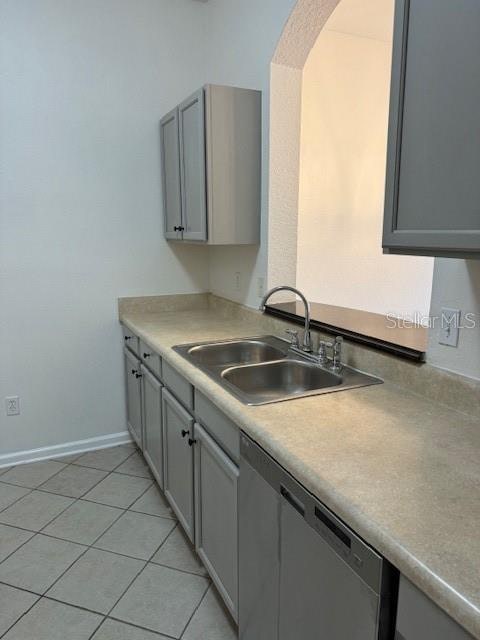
column 291, row 499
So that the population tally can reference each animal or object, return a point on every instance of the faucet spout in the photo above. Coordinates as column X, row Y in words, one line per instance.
column 307, row 339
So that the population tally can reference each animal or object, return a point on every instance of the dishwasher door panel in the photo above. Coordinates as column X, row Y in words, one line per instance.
column 258, row 542
column 320, row 596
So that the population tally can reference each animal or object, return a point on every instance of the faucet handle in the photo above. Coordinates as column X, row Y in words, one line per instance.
column 322, row 351
column 293, row 333
column 337, row 365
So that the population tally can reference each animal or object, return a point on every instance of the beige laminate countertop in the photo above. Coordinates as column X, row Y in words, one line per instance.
column 403, row 472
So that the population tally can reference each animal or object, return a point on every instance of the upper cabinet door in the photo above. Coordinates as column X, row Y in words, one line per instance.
column 432, row 204
column 169, row 149
column 191, row 114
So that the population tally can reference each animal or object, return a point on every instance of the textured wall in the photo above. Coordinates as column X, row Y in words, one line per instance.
column 241, row 40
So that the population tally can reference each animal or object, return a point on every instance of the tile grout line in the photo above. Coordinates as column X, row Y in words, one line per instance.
column 17, row 499
column 24, row 613
column 86, row 549
column 122, row 510
column 196, row 609
column 40, row 531
column 75, row 499
column 161, row 635
column 46, row 525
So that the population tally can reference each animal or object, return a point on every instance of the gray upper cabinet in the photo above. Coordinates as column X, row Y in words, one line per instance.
column 432, row 200
column 211, row 163
column 192, row 166
column 169, row 150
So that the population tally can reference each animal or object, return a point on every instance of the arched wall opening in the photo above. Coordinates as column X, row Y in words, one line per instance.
column 328, row 124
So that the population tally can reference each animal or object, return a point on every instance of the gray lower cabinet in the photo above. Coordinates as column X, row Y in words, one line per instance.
column 216, row 536
column 133, row 376
column 130, row 340
column 152, row 424
column 432, row 204
column 178, row 443
column 418, row 618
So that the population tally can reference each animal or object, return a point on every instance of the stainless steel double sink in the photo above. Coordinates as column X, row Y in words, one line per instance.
column 265, row 369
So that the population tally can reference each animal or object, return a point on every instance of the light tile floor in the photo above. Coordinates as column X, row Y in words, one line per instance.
column 89, row 549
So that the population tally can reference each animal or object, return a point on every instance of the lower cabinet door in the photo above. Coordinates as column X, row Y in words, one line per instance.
column 133, row 381
column 152, row 424
column 216, row 536
column 178, row 443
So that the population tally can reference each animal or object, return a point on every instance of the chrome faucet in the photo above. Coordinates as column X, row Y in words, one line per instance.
column 307, row 338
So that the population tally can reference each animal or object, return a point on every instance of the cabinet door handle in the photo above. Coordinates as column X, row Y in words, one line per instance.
column 147, row 355
column 179, row 228
column 127, row 338
column 134, row 371
column 191, row 441
column 138, row 375
column 185, row 433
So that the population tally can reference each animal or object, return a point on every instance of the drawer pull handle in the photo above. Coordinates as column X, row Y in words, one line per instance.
column 191, row 441
column 127, row 338
column 134, row 371
column 138, row 375
column 185, row 433
column 147, row 355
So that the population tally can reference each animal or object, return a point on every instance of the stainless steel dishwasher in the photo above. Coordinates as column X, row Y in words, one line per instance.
column 303, row 574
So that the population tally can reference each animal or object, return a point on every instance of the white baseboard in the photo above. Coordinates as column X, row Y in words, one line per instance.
column 69, row 448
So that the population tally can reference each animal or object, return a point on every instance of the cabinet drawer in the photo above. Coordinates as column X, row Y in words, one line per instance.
column 130, row 340
column 150, row 359
column 177, row 384
column 419, row 618
column 221, row 428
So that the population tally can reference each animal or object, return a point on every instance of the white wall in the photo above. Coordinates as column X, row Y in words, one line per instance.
column 345, row 98
column 83, row 87
column 242, row 37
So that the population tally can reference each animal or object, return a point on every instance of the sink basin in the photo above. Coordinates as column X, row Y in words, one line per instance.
column 234, row 352
column 273, row 381
column 264, row 369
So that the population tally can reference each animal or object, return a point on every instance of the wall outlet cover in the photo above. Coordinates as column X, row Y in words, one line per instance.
column 237, row 280
column 449, row 327
column 12, row 405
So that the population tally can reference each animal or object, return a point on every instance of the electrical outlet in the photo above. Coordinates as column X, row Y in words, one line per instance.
column 260, row 287
column 237, row 280
column 450, row 327
column 12, row 405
